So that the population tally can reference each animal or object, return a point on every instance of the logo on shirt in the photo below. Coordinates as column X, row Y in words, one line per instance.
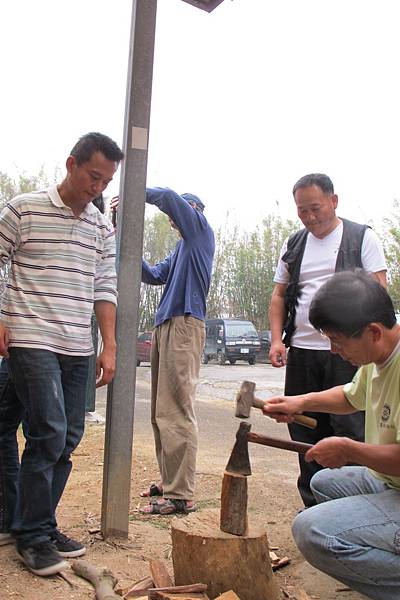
column 386, row 412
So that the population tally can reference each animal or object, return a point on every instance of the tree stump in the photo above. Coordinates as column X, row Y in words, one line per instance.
column 202, row 552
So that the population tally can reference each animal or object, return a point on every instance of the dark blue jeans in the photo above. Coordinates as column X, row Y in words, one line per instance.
column 315, row 371
column 11, row 412
column 52, row 390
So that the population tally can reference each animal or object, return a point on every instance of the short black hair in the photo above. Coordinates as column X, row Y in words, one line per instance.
column 93, row 142
column 348, row 302
column 320, row 179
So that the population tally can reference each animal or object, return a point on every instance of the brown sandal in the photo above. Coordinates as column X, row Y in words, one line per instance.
column 168, row 506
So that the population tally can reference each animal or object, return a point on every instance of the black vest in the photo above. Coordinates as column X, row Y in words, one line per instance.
column 348, row 259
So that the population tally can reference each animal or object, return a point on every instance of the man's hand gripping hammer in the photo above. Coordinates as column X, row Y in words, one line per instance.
column 245, row 399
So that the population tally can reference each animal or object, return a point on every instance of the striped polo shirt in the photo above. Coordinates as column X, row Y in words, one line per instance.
column 59, row 266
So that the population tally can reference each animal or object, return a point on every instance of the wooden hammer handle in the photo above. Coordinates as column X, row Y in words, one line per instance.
column 306, row 421
column 300, row 419
column 299, row 447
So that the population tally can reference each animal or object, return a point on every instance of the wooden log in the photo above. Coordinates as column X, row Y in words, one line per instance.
column 233, row 516
column 229, row 596
column 167, row 596
column 202, row 552
column 192, row 588
column 160, row 575
column 102, row 580
column 138, row 589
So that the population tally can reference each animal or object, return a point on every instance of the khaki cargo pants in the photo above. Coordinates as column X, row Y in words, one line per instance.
column 176, row 349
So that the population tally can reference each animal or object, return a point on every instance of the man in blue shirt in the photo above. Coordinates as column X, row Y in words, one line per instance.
column 177, row 344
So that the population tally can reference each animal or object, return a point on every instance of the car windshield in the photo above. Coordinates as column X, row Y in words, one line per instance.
column 265, row 334
column 240, row 330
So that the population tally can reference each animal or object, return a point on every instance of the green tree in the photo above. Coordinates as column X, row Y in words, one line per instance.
column 224, row 244
column 11, row 187
column 158, row 241
column 23, row 183
column 391, row 243
column 244, row 269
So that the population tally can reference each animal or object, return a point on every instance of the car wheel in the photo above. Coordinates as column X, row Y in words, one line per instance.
column 252, row 360
column 138, row 363
column 204, row 359
column 232, row 361
column 221, row 358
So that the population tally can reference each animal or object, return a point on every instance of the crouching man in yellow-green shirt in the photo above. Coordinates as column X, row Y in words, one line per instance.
column 353, row 533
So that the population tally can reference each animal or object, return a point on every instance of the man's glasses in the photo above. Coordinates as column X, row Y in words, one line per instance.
column 340, row 345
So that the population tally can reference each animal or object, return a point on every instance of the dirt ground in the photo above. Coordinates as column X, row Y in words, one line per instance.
column 273, row 501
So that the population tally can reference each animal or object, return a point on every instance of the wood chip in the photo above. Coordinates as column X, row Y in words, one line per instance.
column 273, row 557
column 282, row 562
column 276, row 562
column 139, row 588
column 159, row 574
column 295, row 593
column 167, row 596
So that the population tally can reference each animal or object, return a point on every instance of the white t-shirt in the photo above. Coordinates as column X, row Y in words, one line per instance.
column 318, row 265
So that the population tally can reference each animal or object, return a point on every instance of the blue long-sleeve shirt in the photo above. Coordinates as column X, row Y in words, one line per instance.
column 186, row 272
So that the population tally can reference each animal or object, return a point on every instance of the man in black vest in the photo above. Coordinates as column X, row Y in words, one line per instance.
column 309, row 258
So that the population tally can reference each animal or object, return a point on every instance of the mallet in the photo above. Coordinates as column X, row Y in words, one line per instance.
column 245, row 399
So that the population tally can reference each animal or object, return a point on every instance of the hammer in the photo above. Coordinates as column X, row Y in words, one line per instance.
column 239, row 462
column 245, row 399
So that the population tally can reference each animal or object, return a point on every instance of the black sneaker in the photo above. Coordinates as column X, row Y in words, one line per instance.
column 6, row 538
column 66, row 546
column 42, row 558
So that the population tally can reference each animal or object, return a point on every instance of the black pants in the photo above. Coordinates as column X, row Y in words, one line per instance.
column 315, row 371
column 11, row 413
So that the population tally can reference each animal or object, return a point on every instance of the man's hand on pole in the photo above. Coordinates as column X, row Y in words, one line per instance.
column 105, row 363
column 105, row 367
column 4, row 340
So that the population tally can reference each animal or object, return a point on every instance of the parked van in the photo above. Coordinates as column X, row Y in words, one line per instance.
column 232, row 340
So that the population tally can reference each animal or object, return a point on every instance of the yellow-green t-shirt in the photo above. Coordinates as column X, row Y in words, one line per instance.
column 376, row 390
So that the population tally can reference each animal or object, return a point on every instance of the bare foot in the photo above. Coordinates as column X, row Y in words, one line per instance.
column 155, row 489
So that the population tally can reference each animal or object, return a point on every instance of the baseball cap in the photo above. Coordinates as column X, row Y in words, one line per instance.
column 192, row 199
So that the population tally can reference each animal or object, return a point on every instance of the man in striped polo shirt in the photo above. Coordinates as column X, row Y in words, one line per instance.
column 61, row 251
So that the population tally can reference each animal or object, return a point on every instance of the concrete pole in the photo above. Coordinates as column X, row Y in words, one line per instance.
column 121, row 393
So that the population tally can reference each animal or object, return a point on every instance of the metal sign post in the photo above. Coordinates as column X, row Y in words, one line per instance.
column 121, row 393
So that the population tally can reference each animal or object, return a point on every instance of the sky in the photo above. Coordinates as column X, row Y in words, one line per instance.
column 246, row 99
